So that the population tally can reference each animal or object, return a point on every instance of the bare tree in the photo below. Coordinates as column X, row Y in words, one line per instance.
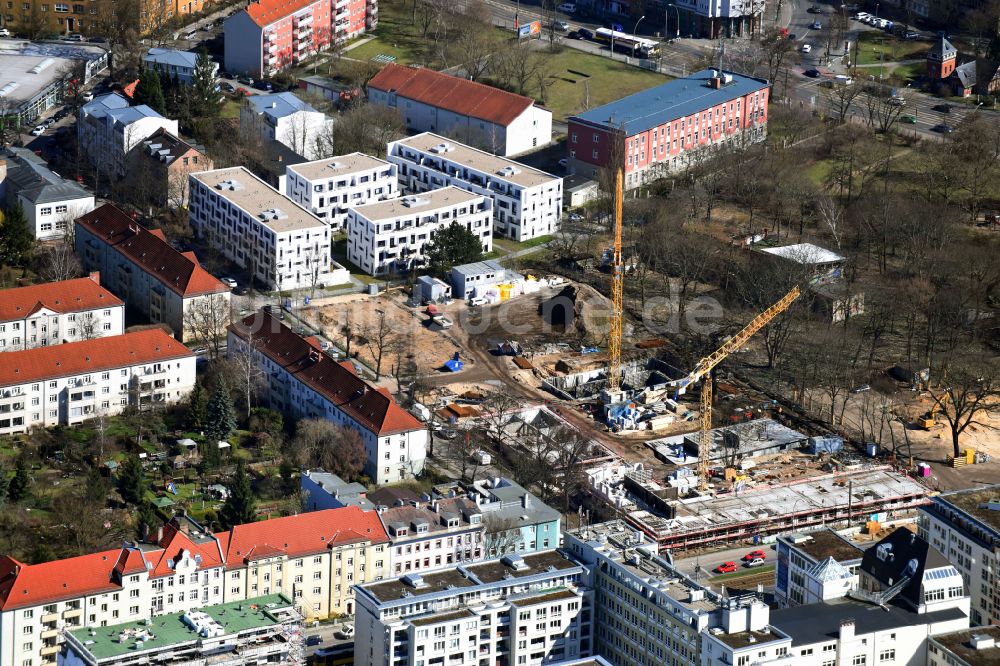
column 244, row 358
column 501, row 534
column 971, row 389
column 91, row 326
column 475, row 40
column 498, row 411
column 377, row 337
column 842, row 97
column 337, row 449
column 60, row 262
column 206, row 319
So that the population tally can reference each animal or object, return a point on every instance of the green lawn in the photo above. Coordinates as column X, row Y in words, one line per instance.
column 509, row 245
column 873, row 45
column 595, row 80
column 231, row 109
column 819, row 172
column 339, row 253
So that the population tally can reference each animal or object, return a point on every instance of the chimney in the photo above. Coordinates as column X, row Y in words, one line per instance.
column 159, row 535
column 95, row 276
column 526, row 501
column 281, row 158
column 846, row 630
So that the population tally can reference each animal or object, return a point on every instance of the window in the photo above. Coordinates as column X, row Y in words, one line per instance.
column 859, row 660
column 742, row 660
column 887, row 655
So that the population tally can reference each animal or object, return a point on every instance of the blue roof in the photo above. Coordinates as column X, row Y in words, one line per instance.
column 171, row 57
column 132, row 114
column 278, row 105
column 675, row 99
column 99, row 106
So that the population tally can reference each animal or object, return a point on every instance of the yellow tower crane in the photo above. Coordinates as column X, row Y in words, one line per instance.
column 617, row 297
column 703, row 373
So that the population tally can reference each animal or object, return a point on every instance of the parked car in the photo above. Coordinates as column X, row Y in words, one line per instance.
column 38, row 131
column 87, row 97
column 911, row 35
column 843, row 79
column 861, row 388
column 227, row 87
column 264, row 85
column 245, row 80
column 563, row 162
column 756, row 562
column 726, row 567
column 241, row 291
column 755, row 555
column 561, row 26
column 813, row 73
column 806, row 48
column 575, row 217
column 816, row 25
column 567, row 7
column 346, row 631
column 943, row 129
column 4, row 32
column 229, row 282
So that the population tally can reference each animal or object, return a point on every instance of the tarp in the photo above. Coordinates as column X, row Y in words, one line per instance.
column 817, row 445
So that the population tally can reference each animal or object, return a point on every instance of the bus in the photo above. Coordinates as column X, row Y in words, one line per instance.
column 338, row 655
column 626, row 43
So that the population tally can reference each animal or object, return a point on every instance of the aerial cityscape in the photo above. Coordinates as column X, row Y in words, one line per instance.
column 500, row 333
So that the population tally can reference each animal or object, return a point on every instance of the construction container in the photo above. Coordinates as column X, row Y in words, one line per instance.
column 817, row 445
column 871, row 448
column 506, row 290
column 660, row 421
column 970, row 456
column 923, row 470
column 872, row 527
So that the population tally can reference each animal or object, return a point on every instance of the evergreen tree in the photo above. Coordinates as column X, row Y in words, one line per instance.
column 451, row 246
column 149, row 91
column 19, row 487
column 146, row 521
column 205, row 99
column 16, row 240
column 289, row 483
column 221, row 416
column 4, row 484
column 132, row 480
column 197, row 407
column 240, row 506
column 96, row 489
column 210, row 456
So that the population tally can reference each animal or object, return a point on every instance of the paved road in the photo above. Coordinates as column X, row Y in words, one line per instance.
column 706, row 563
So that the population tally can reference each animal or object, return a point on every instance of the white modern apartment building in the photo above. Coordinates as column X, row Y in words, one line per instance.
column 329, row 187
column 298, row 378
column 285, row 118
column 314, row 559
column 69, row 383
column 56, row 312
column 143, row 269
column 965, row 527
column 260, row 229
column 49, row 201
column 525, row 610
column 908, row 593
column 392, row 235
column 108, row 128
column 526, row 202
column 815, row 566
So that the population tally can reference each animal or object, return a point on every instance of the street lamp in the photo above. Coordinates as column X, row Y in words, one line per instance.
column 635, row 35
column 666, row 20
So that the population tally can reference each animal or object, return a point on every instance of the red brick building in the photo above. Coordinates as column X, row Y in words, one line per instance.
column 666, row 127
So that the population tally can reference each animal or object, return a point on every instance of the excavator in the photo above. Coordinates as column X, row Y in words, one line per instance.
column 929, row 421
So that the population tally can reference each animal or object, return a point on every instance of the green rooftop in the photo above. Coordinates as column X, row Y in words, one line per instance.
column 166, row 630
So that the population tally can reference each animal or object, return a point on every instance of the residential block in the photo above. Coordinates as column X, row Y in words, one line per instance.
column 526, row 202
column 285, row 118
column 392, row 235
column 49, row 201
column 142, row 268
column 108, row 128
column 69, row 383
column 260, row 229
column 328, row 188
column 54, row 313
column 161, row 164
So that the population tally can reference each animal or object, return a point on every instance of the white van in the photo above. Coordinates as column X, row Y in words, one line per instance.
column 567, row 7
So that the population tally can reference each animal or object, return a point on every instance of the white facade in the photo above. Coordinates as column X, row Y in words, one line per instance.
column 49, row 201
column 328, row 188
column 962, row 526
column 392, row 235
column 100, row 376
column 302, row 381
column 526, row 611
column 108, row 129
column 284, row 118
column 527, row 203
column 815, row 566
column 260, row 229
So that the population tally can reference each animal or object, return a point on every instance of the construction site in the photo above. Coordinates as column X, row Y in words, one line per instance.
column 692, row 453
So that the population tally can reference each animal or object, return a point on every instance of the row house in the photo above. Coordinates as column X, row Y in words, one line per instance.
column 312, row 559
column 392, row 235
column 330, row 187
column 497, row 121
column 260, row 229
column 666, row 129
column 300, row 380
column 525, row 610
column 527, row 203
column 58, row 312
column 49, row 201
column 66, row 384
column 142, row 268
column 270, row 35
column 109, row 128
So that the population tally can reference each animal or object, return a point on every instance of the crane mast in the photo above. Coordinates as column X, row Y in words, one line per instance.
column 617, row 297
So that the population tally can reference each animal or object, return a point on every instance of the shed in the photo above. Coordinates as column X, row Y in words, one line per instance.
column 467, row 278
column 826, row 266
column 837, row 302
column 163, row 502
column 578, row 190
column 432, row 289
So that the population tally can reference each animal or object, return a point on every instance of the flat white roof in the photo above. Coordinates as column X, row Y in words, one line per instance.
column 24, row 76
column 335, row 167
column 416, row 204
column 500, row 168
column 266, row 204
column 805, row 253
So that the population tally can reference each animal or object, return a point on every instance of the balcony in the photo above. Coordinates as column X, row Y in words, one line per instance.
column 48, row 651
column 50, row 617
column 71, row 613
column 49, row 633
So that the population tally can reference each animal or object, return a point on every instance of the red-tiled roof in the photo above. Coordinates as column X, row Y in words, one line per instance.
column 175, row 543
column 451, row 93
column 266, row 12
column 30, row 585
column 130, row 561
column 75, row 358
column 76, row 295
column 301, row 535
column 373, row 409
column 148, row 249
